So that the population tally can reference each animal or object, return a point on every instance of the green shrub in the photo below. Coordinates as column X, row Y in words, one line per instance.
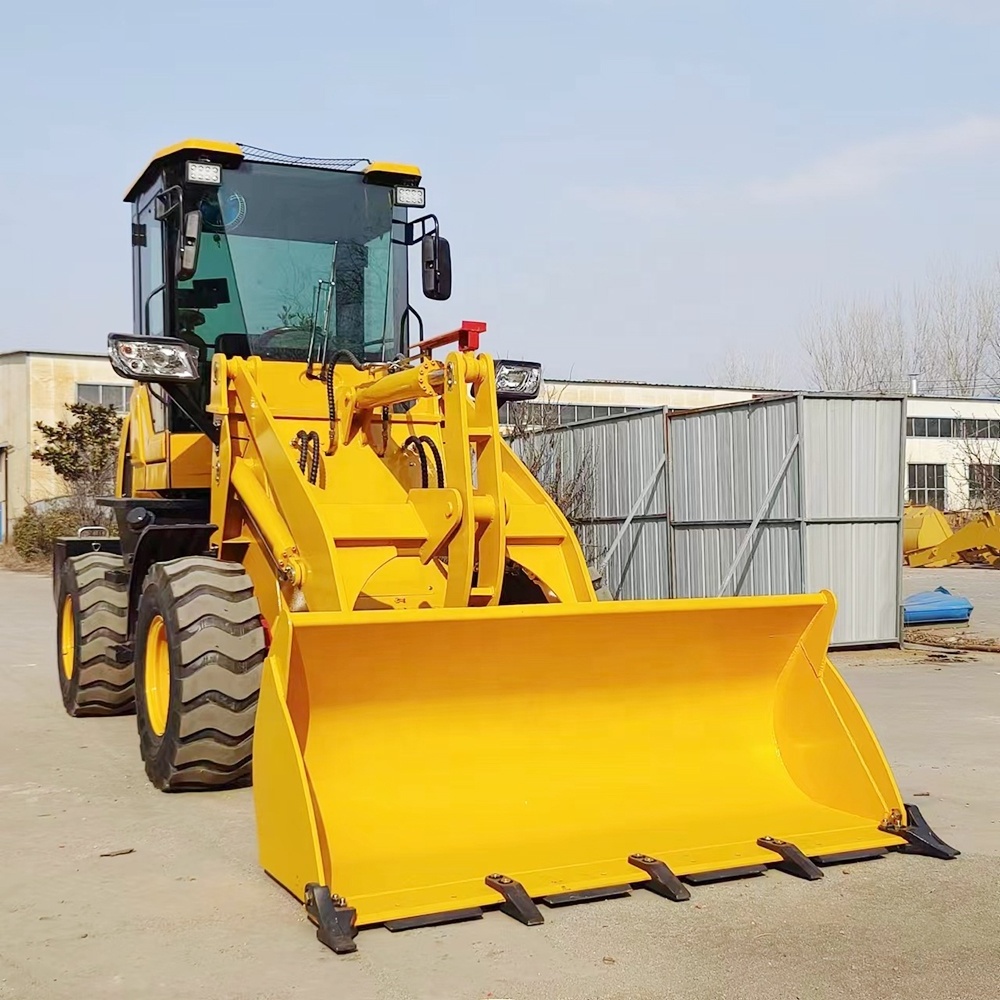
column 35, row 531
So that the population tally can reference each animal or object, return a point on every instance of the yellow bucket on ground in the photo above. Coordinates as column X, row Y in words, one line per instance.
column 924, row 528
column 406, row 756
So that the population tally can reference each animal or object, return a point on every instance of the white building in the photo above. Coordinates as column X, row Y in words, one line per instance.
column 952, row 451
column 37, row 385
column 586, row 399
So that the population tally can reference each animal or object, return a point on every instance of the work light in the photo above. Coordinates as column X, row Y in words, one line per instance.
column 199, row 172
column 408, row 197
column 518, row 380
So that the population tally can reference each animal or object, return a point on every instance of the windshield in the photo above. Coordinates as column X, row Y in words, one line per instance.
column 290, row 255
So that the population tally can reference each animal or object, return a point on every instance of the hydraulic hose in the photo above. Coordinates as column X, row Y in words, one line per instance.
column 418, row 443
column 302, row 442
column 429, row 441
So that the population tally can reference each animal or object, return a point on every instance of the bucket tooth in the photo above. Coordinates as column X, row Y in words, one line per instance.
column 793, row 861
column 433, row 919
column 517, row 903
column 334, row 919
column 662, row 880
column 919, row 837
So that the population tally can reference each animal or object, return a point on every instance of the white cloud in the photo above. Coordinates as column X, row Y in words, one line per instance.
column 863, row 168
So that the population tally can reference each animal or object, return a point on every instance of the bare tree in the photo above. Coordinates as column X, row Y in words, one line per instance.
column 566, row 472
column 956, row 329
column 743, row 369
column 980, row 457
column 860, row 346
column 948, row 331
column 568, row 478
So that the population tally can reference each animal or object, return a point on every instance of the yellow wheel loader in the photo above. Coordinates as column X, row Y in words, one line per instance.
column 333, row 575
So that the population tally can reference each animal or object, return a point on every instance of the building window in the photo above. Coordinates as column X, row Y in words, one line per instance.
column 978, row 428
column 934, row 427
column 947, row 427
column 101, row 394
column 984, row 485
column 574, row 413
column 925, row 485
column 545, row 416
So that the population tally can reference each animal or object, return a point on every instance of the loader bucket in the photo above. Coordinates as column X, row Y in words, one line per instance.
column 549, row 743
column 924, row 529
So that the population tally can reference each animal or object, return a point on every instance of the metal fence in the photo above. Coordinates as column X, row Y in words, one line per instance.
column 779, row 495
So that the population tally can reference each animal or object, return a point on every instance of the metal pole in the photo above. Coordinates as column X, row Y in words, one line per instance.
column 803, row 498
column 900, row 502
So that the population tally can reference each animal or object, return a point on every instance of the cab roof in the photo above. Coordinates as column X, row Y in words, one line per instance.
column 377, row 171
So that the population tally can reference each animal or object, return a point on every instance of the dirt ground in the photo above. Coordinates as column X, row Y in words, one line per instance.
column 188, row 913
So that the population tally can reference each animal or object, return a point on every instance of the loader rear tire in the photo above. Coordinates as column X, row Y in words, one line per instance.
column 92, row 621
column 199, row 653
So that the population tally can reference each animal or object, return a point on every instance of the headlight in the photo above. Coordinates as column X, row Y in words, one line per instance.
column 517, row 380
column 153, row 359
column 408, row 197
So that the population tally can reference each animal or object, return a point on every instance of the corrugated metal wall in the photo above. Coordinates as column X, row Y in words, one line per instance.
column 818, row 477
column 822, row 478
column 852, row 451
column 627, row 455
column 722, row 464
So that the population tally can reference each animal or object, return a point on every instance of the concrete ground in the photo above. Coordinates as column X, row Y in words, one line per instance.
column 980, row 584
column 187, row 913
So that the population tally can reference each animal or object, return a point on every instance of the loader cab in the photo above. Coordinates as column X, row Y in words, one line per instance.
column 247, row 252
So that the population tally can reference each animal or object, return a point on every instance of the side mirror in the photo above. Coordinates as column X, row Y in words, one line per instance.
column 435, row 255
column 187, row 246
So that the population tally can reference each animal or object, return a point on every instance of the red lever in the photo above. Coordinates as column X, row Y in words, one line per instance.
column 466, row 336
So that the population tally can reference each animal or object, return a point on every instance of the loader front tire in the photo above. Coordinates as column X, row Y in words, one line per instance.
column 199, row 653
column 92, row 621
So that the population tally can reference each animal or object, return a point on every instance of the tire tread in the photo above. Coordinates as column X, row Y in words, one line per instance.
column 214, row 617
column 103, row 686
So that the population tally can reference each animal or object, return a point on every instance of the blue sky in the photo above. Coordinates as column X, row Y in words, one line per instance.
column 632, row 189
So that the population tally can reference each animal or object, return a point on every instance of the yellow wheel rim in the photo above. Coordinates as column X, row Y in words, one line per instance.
column 67, row 639
column 156, row 671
